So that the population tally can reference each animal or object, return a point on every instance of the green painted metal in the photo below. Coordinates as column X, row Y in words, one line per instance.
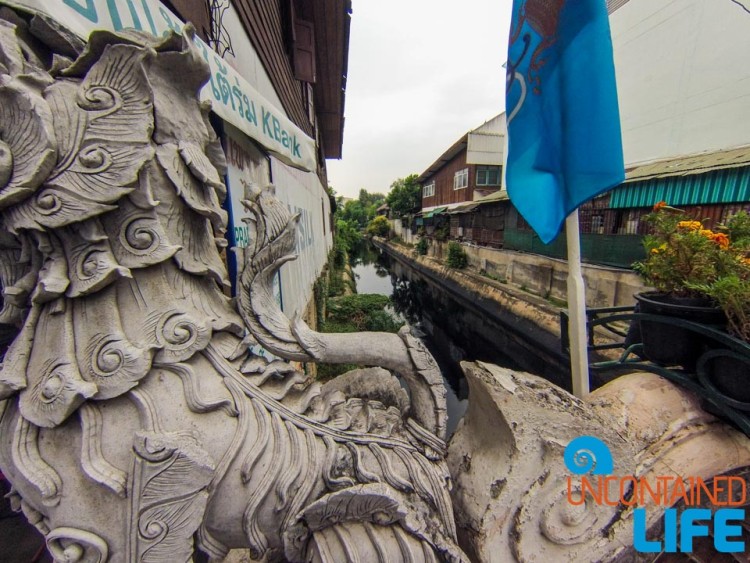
column 611, row 250
column 434, row 212
column 727, row 185
column 719, row 395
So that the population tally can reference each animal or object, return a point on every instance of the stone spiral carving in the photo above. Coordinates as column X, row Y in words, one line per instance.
column 137, row 417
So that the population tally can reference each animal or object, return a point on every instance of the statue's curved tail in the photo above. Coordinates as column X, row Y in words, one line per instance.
column 273, row 229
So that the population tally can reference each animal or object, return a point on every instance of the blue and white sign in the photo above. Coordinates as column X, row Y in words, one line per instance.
column 232, row 97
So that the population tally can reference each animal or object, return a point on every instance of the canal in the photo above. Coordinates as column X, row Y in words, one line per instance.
column 450, row 331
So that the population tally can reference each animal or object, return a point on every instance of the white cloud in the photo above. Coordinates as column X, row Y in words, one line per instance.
column 421, row 74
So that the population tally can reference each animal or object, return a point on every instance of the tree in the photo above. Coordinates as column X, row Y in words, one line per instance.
column 405, row 196
column 362, row 210
column 379, row 227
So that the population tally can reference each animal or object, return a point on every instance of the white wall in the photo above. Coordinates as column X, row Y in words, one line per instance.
column 683, row 76
column 303, row 193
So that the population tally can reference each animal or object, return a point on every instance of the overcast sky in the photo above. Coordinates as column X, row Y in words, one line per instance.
column 421, row 74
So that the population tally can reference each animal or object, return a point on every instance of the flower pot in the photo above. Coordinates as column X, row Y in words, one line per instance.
column 728, row 373
column 668, row 344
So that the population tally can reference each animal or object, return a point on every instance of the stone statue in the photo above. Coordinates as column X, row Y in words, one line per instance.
column 135, row 424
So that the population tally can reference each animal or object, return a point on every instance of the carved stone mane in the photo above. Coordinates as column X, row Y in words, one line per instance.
column 132, row 415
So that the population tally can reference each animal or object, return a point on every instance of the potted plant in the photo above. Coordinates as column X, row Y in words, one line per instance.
column 727, row 370
column 683, row 259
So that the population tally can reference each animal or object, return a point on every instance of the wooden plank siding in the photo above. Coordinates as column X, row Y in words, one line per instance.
column 443, row 178
column 270, row 24
column 263, row 21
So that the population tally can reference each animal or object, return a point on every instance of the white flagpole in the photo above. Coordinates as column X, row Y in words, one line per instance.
column 579, row 361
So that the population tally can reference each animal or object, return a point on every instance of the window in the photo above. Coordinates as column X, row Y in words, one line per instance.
column 461, row 179
column 429, row 189
column 488, row 175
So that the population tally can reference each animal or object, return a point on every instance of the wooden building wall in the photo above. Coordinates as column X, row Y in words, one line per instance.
column 444, row 192
column 267, row 24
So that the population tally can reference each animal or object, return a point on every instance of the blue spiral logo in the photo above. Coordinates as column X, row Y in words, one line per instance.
column 587, row 454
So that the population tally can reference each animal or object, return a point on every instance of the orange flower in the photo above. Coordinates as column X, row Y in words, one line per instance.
column 721, row 239
column 691, row 225
column 659, row 205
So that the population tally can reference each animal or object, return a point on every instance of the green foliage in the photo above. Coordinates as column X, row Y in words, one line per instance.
column 457, row 257
column 442, row 232
column 360, row 312
column 320, row 294
column 405, row 196
column 347, row 235
column 732, row 293
column 738, row 229
column 422, row 245
column 681, row 255
column 359, row 212
column 379, row 226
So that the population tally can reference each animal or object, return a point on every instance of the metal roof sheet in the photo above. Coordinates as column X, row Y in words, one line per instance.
column 690, row 164
column 724, row 185
column 433, row 212
column 499, row 195
column 465, row 208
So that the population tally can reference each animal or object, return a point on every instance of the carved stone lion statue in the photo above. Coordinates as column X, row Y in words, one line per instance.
column 134, row 422
column 137, row 425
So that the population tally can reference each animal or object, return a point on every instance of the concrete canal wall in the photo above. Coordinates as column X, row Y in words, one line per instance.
column 543, row 276
column 527, row 325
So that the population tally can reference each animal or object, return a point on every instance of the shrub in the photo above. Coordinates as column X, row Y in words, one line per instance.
column 379, row 226
column 457, row 257
column 442, row 232
column 358, row 312
column 422, row 245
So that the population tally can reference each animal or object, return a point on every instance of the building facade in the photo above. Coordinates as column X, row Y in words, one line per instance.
column 470, row 169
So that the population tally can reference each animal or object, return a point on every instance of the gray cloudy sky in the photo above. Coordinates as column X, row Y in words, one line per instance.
column 421, row 74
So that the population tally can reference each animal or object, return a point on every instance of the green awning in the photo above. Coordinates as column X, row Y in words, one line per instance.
column 727, row 185
column 433, row 212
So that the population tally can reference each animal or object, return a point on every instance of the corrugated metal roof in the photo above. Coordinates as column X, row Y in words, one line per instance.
column 690, row 164
column 433, row 212
column 467, row 207
column 726, row 185
column 499, row 195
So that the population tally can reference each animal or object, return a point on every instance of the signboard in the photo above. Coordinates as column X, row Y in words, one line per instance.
column 245, row 165
column 232, row 97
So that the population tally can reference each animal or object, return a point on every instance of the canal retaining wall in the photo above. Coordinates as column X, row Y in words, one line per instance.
column 530, row 324
column 530, row 332
column 541, row 275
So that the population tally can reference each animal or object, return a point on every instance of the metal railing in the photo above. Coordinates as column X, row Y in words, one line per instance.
column 609, row 329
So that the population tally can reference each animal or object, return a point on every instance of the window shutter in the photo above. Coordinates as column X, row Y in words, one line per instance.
column 304, row 51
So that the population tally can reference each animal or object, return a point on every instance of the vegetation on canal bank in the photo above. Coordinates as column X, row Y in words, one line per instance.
column 338, row 311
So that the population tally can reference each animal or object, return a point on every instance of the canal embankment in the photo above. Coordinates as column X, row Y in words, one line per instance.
column 525, row 325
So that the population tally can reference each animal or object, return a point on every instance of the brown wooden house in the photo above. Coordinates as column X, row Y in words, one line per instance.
column 470, row 169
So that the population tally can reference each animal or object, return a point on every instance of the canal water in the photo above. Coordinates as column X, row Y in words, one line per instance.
column 451, row 333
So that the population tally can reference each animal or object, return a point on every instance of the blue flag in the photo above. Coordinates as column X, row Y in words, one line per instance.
column 564, row 141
